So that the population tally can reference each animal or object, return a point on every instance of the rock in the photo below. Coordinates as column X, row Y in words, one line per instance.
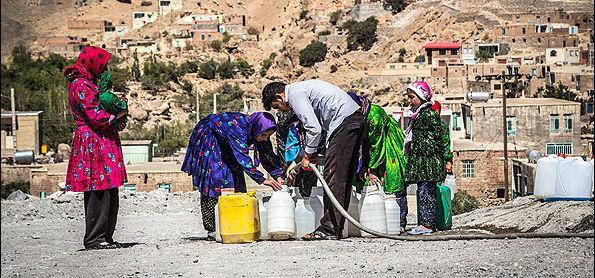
column 162, row 109
column 139, row 114
column 17, row 196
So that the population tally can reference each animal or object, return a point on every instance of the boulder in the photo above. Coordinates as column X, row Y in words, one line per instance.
column 139, row 114
column 17, row 196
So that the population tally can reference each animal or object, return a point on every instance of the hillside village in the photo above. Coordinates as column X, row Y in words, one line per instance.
column 451, row 44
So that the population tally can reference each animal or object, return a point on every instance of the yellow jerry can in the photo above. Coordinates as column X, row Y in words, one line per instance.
column 239, row 218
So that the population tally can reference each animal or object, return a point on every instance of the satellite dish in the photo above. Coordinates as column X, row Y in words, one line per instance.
column 534, row 155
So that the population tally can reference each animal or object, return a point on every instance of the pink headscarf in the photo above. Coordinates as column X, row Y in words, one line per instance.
column 423, row 92
column 92, row 61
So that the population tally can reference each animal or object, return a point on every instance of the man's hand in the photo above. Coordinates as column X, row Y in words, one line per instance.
column 307, row 160
column 275, row 185
column 448, row 168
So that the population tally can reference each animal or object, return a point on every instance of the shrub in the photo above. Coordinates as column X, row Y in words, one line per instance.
column 334, row 68
column 313, row 53
column 207, row 70
column 420, row 59
column 244, row 68
column 335, row 16
column 402, row 51
column 464, row 202
column 396, row 6
column 400, row 59
column 14, row 186
column 226, row 37
column 253, row 31
column 361, row 34
column 266, row 64
column 226, row 70
column 189, row 67
column 303, row 14
column 119, row 78
column 216, row 45
column 187, row 86
column 324, row 33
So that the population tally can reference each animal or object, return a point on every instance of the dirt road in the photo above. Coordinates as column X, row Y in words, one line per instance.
column 169, row 245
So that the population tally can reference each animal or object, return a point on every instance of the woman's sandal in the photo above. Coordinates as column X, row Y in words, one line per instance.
column 318, row 235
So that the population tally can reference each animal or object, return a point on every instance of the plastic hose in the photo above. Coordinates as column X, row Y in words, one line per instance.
column 345, row 214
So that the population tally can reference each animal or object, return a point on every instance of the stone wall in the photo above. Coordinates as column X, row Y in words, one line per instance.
column 14, row 173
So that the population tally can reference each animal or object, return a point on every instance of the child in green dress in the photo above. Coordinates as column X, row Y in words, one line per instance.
column 108, row 101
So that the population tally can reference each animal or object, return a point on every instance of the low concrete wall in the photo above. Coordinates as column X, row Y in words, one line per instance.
column 14, row 173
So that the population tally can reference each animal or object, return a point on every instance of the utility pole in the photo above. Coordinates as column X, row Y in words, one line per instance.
column 214, row 103
column 14, row 119
column 505, row 134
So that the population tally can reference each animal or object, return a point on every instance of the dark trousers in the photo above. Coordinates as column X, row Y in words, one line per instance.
column 426, row 190
column 339, row 169
column 402, row 201
column 207, row 204
column 101, row 215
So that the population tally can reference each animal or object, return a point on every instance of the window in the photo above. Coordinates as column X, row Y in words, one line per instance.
column 553, row 53
column 392, row 67
column 524, row 30
column 511, row 125
column 533, row 72
column 497, row 86
column 468, row 169
column 554, row 123
column 556, row 148
column 503, row 31
column 491, row 70
column 139, row 15
column 456, row 121
column 568, row 123
column 474, row 70
column 454, row 51
column 442, row 52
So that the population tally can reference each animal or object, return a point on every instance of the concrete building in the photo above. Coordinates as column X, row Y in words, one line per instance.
column 479, row 168
column 67, row 46
column 442, row 53
column 468, row 54
column 549, row 125
column 204, row 32
column 167, row 6
column 28, row 132
column 365, row 9
column 405, row 72
column 562, row 56
column 137, row 151
column 140, row 19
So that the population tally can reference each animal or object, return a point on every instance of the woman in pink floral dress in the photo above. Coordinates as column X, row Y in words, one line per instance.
column 95, row 166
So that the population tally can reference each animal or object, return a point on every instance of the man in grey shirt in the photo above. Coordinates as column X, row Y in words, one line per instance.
column 320, row 105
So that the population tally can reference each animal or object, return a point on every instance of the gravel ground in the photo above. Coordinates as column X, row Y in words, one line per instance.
column 42, row 239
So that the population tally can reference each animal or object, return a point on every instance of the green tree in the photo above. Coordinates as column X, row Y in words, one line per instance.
column 335, row 16
column 313, row 53
column 229, row 98
column 226, row 70
column 189, row 66
column 244, row 68
column 226, row 37
column 186, row 86
column 402, row 51
column 119, row 78
column 324, row 33
column 208, row 70
column 559, row 92
column 135, row 70
column 361, row 34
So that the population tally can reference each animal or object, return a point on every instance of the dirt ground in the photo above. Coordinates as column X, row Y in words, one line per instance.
column 43, row 239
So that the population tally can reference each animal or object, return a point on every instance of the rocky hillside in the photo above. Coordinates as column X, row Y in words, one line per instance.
column 284, row 31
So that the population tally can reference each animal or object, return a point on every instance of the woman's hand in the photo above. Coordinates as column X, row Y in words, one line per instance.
column 272, row 183
column 374, row 180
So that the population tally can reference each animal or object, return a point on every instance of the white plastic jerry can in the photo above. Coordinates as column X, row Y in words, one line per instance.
column 373, row 212
column 281, row 215
column 393, row 215
column 350, row 230
column 304, row 219
column 217, row 225
column 262, row 213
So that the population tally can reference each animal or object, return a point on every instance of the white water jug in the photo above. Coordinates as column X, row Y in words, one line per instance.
column 281, row 215
column 373, row 213
column 350, row 230
column 217, row 226
column 393, row 215
column 262, row 213
column 592, row 178
column 304, row 219
column 452, row 184
column 545, row 176
column 317, row 204
column 573, row 178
